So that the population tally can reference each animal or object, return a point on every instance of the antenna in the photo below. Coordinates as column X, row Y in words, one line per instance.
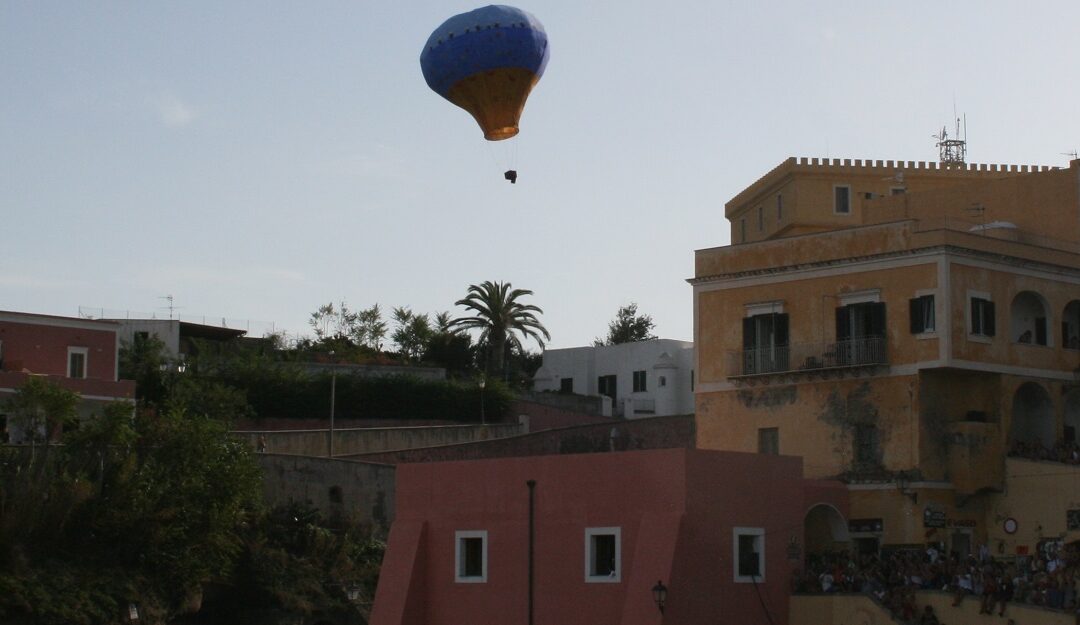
column 952, row 152
column 171, row 308
column 1072, row 155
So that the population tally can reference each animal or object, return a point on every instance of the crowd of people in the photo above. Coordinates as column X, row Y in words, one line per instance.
column 1049, row 578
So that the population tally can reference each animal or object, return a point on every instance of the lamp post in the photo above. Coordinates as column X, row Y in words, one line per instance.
column 659, row 595
column 333, row 396
column 482, row 383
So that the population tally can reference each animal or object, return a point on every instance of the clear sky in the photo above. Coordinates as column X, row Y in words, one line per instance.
column 258, row 159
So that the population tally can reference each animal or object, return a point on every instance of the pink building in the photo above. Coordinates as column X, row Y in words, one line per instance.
column 590, row 538
column 79, row 354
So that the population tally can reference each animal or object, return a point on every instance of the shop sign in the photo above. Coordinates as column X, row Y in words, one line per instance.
column 933, row 518
column 961, row 523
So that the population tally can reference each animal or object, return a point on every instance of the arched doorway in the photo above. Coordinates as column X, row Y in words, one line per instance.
column 1027, row 319
column 1072, row 416
column 1032, row 417
column 825, row 529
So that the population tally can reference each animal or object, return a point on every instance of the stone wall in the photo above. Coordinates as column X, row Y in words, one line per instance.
column 361, row 490
column 544, row 416
column 649, row 433
column 368, row 440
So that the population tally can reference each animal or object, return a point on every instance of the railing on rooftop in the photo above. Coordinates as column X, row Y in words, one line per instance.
column 807, row 357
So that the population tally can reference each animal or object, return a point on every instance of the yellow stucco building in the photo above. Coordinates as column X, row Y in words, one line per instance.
column 902, row 326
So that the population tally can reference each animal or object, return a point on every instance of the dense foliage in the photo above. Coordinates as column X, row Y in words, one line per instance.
column 628, row 327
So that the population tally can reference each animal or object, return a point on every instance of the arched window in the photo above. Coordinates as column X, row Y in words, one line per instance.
column 1032, row 418
column 1027, row 322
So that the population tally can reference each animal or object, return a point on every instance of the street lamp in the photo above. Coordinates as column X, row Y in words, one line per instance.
column 333, row 396
column 659, row 595
column 482, row 383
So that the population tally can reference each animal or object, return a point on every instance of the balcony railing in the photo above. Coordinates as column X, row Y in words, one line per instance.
column 808, row 357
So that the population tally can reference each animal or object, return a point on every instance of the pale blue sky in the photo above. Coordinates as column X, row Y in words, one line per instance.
column 257, row 159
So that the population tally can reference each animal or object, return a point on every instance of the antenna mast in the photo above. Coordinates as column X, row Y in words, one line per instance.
column 953, row 152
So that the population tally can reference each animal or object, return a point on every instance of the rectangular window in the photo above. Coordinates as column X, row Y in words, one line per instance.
column 867, row 447
column 691, row 380
column 77, row 362
column 603, row 554
column 639, row 382
column 779, row 207
column 606, row 385
column 842, row 200
column 749, row 546
column 566, row 385
column 897, row 190
column 663, row 382
column 765, row 343
column 860, row 335
column 470, row 556
column 760, row 218
column 768, row 441
column 922, row 314
column 982, row 317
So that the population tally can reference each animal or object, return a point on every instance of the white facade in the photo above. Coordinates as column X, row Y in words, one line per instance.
column 644, row 379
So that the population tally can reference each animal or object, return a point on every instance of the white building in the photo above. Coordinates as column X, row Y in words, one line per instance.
column 643, row 379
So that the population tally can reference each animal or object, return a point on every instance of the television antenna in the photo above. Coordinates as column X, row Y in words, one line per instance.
column 952, row 152
column 1072, row 155
column 171, row 307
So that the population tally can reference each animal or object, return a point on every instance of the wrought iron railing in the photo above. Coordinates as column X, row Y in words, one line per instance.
column 858, row 352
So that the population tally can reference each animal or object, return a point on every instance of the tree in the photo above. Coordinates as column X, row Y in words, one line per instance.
column 628, row 327
column 500, row 317
column 142, row 360
column 331, row 323
column 370, row 329
column 412, row 333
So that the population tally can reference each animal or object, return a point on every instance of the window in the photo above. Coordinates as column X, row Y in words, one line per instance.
column 603, row 554
column 749, row 546
column 566, row 385
column 867, row 450
column 860, row 334
column 779, row 207
column 691, row 380
column 77, row 362
column 760, row 218
column 982, row 317
column 606, row 385
column 663, row 382
column 470, row 556
column 841, row 199
column 922, row 314
column 639, row 382
column 765, row 343
column 768, row 441
column 897, row 190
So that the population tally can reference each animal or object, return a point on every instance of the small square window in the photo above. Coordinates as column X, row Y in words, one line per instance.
column 639, row 382
column 566, row 385
column 842, row 199
column 77, row 362
column 663, row 381
column 749, row 547
column 603, row 554
column 470, row 557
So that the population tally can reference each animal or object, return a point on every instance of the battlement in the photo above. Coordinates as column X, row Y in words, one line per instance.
column 879, row 168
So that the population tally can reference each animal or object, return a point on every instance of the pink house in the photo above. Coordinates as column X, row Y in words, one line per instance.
column 79, row 354
column 585, row 539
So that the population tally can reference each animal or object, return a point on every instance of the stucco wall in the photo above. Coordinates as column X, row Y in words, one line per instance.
column 364, row 490
column 39, row 344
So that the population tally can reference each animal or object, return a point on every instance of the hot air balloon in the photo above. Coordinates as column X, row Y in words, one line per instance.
column 487, row 61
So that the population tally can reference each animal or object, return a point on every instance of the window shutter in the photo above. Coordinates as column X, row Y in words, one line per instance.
column 749, row 340
column 843, row 324
column 780, row 327
column 877, row 319
column 916, row 316
column 990, row 328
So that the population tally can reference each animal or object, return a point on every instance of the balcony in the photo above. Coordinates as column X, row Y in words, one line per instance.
column 850, row 356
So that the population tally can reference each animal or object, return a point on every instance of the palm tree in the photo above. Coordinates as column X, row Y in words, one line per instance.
column 500, row 317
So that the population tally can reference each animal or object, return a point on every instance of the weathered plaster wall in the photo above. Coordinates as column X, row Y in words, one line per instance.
column 370, row 440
